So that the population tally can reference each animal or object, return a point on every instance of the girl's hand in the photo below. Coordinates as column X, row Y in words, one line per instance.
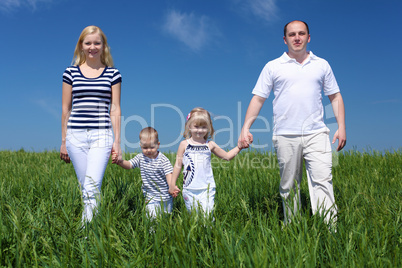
column 245, row 139
column 116, row 153
column 174, row 191
column 171, row 190
column 63, row 154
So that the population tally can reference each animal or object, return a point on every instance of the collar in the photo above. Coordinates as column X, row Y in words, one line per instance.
column 151, row 159
column 285, row 57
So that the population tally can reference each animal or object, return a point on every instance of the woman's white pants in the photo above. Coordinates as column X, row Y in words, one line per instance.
column 89, row 151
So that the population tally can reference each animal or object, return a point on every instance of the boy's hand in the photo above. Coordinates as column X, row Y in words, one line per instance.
column 174, row 191
column 115, row 158
column 116, row 150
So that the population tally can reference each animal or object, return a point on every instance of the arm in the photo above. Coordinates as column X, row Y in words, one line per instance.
column 339, row 110
column 177, row 168
column 219, row 152
column 124, row 164
column 253, row 110
column 176, row 189
column 65, row 114
column 169, row 178
column 115, row 116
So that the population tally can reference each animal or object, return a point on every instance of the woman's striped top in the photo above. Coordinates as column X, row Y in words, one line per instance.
column 91, row 98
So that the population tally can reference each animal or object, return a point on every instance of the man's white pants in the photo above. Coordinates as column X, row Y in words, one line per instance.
column 89, row 151
column 316, row 151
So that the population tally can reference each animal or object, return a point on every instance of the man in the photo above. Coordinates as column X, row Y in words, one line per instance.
column 297, row 79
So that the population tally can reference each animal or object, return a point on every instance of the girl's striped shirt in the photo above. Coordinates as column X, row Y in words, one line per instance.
column 91, row 98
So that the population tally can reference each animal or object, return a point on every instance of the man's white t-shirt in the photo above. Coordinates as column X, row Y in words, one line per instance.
column 297, row 105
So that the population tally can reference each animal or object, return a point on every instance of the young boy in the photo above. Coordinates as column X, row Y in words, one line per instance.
column 156, row 172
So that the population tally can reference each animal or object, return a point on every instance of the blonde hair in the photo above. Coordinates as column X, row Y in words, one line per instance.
column 201, row 117
column 149, row 133
column 79, row 56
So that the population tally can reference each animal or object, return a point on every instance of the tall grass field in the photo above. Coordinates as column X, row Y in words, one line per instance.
column 40, row 217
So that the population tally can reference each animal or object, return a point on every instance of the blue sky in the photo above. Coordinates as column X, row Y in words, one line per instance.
column 176, row 55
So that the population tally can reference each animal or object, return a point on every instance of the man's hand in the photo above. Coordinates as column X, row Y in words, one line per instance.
column 245, row 139
column 340, row 135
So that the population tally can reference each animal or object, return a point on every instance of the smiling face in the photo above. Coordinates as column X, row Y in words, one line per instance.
column 199, row 122
column 199, row 132
column 92, row 46
column 297, row 37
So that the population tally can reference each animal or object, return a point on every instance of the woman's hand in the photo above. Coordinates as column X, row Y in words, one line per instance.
column 63, row 154
column 116, row 153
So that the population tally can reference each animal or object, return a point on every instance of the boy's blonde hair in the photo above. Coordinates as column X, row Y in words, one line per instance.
column 149, row 133
column 79, row 56
column 200, row 117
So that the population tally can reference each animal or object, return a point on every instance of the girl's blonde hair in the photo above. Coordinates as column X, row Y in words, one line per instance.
column 79, row 56
column 200, row 117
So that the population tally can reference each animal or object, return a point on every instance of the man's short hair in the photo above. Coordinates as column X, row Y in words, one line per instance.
column 286, row 26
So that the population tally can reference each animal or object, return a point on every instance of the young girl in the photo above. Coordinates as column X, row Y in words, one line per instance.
column 194, row 154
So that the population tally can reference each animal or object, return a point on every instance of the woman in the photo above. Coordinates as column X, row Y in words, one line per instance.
column 91, row 107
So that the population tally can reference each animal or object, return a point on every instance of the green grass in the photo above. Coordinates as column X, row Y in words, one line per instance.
column 40, row 212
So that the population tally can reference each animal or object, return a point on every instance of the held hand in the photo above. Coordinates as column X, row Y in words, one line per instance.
column 63, row 154
column 177, row 191
column 116, row 153
column 245, row 139
column 114, row 157
column 340, row 135
column 174, row 191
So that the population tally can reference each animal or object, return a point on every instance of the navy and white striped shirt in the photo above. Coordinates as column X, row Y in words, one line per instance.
column 153, row 174
column 91, row 98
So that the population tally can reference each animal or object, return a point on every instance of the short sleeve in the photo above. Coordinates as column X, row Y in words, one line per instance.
column 330, row 86
column 264, row 83
column 167, row 166
column 116, row 77
column 67, row 77
column 135, row 162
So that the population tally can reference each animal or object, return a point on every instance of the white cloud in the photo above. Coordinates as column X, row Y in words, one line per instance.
column 194, row 31
column 12, row 5
column 263, row 9
column 9, row 5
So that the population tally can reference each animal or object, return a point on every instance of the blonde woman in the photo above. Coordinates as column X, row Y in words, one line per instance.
column 90, row 110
